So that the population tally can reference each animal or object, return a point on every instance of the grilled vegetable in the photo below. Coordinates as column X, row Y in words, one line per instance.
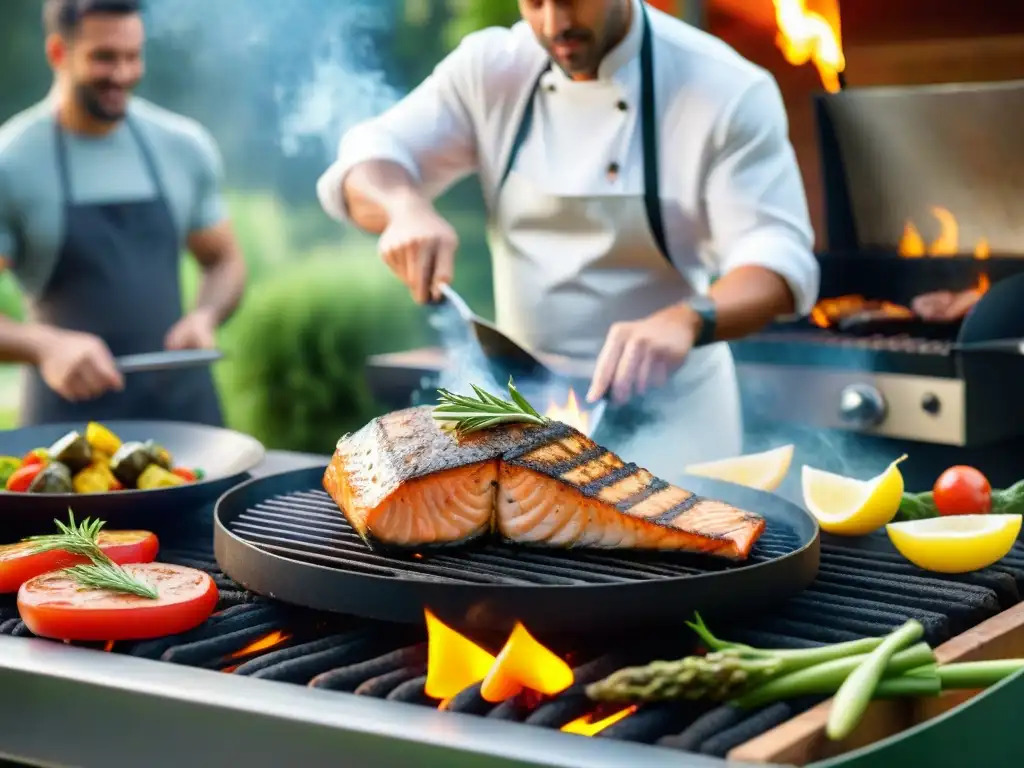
column 96, row 478
column 161, row 456
column 24, row 560
column 962, row 491
column 185, row 474
column 1009, row 501
column 8, row 466
column 73, row 451
column 55, row 477
column 157, row 477
column 55, row 605
column 35, row 456
column 129, row 462
column 102, row 439
column 22, row 478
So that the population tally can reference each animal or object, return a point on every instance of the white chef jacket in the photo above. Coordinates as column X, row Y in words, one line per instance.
column 730, row 184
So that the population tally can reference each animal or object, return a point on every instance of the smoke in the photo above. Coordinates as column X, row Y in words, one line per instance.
column 314, row 61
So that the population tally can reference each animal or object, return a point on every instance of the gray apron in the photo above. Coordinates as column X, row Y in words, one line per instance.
column 117, row 278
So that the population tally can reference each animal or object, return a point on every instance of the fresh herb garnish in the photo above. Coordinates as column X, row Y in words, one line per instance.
column 102, row 573
column 468, row 414
column 111, row 577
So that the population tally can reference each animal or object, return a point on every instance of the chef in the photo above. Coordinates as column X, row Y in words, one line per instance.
column 99, row 195
column 626, row 159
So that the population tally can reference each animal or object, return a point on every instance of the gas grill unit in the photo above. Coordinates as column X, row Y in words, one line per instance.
column 891, row 156
column 116, row 710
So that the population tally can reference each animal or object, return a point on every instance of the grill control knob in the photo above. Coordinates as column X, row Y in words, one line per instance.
column 931, row 404
column 861, row 406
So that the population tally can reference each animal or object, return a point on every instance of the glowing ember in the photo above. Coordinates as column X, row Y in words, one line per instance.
column 525, row 663
column 584, row 726
column 570, row 413
column 808, row 36
column 829, row 311
column 109, row 646
column 454, row 662
column 267, row 641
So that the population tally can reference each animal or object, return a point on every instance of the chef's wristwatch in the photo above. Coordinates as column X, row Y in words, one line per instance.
column 705, row 309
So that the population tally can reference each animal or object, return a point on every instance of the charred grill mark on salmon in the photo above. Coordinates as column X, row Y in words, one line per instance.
column 402, row 481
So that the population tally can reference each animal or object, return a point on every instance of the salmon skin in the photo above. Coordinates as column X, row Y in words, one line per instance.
column 404, row 482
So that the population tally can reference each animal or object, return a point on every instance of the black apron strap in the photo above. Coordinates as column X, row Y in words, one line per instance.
column 649, row 136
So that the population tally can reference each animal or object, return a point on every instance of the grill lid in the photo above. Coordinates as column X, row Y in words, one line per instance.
column 283, row 537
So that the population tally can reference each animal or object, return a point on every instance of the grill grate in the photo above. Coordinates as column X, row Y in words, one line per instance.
column 306, row 526
column 864, row 589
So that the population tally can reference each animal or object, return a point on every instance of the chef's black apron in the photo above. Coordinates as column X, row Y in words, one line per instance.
column 117, row 276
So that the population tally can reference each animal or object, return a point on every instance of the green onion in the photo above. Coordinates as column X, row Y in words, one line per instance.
column 854, row 695
column 827, row 677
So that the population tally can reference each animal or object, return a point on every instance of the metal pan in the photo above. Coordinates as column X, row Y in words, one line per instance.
column 283, row 536
column 224, row 455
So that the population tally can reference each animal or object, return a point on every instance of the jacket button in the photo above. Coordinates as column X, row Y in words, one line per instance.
column 613, row 170
column 622, row 106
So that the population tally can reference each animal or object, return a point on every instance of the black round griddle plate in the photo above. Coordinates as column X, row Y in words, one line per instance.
column 283, row 537
column 224, row 455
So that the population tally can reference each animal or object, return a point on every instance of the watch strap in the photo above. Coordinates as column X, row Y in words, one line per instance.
column 705, row 308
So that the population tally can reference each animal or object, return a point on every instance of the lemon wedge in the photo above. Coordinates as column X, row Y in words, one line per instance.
column 956, row 544
column 764, row 471
column 849, row 507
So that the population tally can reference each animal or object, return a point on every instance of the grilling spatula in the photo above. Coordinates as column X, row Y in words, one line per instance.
column 496, row 346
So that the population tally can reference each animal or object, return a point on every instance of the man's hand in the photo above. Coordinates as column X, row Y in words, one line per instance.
column 78, row 366
column 945, row 306
column 643, row 354
column 196, row 330
column 419, row 247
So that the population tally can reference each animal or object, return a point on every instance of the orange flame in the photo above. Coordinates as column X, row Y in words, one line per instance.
column 585, row 726
column 267, row 641
column 454, row 662
column 947, row 243
column 807, row 36
column 570, row 413
column 525, row 663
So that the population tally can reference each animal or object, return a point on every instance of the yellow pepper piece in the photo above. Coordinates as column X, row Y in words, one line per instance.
column 102, row 439
column 155, row 476
column 96, row 478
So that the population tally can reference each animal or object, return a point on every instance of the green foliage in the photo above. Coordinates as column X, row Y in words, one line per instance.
column 470, row 15
column 298, row 348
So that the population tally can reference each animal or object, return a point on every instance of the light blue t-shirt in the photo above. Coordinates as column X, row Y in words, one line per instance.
column 106, row 169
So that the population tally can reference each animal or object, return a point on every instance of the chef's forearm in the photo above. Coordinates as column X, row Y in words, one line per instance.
column 23, row 342
column 373, row 191
column 748, row 299
column 221, row 287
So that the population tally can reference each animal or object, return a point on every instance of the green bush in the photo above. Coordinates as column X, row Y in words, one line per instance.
column 295, row 375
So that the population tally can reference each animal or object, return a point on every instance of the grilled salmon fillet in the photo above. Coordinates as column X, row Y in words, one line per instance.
column 403, row 481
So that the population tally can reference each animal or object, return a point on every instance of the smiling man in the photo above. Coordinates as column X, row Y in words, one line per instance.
column 99, row 194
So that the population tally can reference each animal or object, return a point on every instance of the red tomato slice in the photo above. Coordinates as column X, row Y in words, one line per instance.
column 54, row 606
column 23, row 477
column 962, row 491
column 18, row 563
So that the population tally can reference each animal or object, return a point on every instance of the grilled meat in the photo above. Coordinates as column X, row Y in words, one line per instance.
column 403, row 481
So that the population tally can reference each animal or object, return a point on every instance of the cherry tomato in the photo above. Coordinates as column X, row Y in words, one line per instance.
column 54, row 605
column 962, row 491
column 23, row 477
column 18, row 563
column 185, row 474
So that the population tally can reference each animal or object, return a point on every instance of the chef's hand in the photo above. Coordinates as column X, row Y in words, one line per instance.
column 643, row 354
column 196, row 330
column 945, row 306
column 78, row 366
column 419, row 247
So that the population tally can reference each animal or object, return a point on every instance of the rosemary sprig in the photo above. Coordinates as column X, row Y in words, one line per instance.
column 111, row 577
column 472, row 414
column 102, row 573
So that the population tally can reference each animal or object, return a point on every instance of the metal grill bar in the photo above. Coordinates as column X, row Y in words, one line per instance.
column 307, row 526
